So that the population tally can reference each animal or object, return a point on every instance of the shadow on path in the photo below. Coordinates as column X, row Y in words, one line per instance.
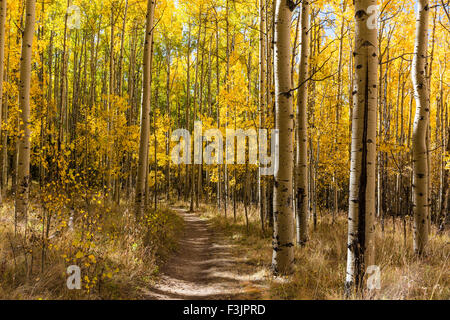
column 202, row 269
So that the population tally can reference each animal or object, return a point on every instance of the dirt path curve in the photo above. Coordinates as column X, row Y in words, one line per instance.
column 201, row 269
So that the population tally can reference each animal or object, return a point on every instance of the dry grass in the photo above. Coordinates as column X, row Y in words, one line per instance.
column 126, row 257
column 117, row 256
column 320, row 265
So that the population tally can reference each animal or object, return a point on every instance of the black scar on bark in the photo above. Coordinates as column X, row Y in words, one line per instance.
column 360, row 242
column 360, row 13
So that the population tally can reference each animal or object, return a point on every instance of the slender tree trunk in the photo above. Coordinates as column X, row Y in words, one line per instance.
column 23, row 174
column 227, row 73
column 168, row 112
column 283, row 247
column 262, row 100
column 122, row 39
column 2, row 67
column 361, row 226
column 270, row 30
column 63, row 81
column 219, row 169
column 145, row 112
column 421, row 121
column 188, row 186
column 445, row 193
column 302, row 195
column 111, row 91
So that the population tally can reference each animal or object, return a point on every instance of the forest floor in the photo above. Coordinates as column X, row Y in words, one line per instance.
column 174, row 254
column 204, row 267
column 222, row 257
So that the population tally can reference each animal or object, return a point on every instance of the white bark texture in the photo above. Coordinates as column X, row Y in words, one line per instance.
column 363, row 158
column 262, row 99
column 23, row 174
column 283, row 247
column 302, row 209
column 421, row 121
column 2, row 59
column 145, row 111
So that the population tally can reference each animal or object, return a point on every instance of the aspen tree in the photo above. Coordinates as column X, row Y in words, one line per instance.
column 302, row 130
column 63, row 85
column 227, row 73
column 360, row 253
column 189, row 184
column 445, row 192
column 168, row 134
column 283, row 251
column 262, row 100
column 5, row 107
column 270, row 30
column 200, row 113
column 111, row 91
column 219, row 169
column 119, row 91
column 195, row 116
column 23, row 174
column 421, row 122
column 122, row 40
column 145, row 111
column 2, row 59
column 312, row 105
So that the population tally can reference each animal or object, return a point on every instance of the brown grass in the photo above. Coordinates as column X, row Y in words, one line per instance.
column 127, row 256
column 119, row 256
column 320, row 265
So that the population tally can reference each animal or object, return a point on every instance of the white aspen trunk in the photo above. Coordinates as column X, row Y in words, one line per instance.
column 63, row 78
column 262, row 100
column 445, row 193
column 111, row 90
column 23, row 174
column 145, row 112
column 421, row 121
column 2, row 59
column 361, row 227
column 283, row 247
column 219, row 170
column 168, row 135
column 302, row 131
column 188, row 185
column 226, row 112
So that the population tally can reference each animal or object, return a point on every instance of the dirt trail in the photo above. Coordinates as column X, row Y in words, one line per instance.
column 203, row 267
